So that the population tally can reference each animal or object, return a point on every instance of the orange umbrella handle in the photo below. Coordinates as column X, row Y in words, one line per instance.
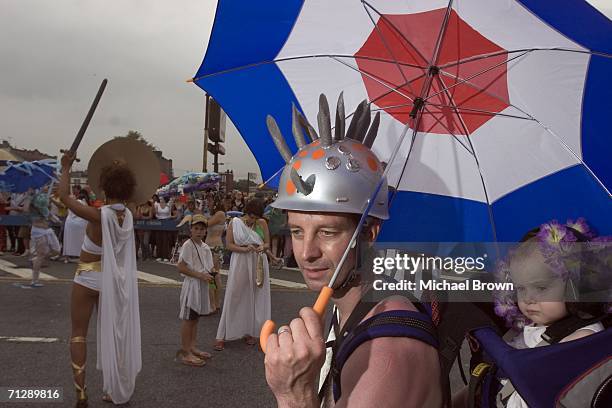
column 319, row 307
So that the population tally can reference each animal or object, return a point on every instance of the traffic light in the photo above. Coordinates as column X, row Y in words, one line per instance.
column 216, row 148
column 216, row 122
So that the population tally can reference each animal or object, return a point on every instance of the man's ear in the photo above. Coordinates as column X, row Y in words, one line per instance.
column 371, row 229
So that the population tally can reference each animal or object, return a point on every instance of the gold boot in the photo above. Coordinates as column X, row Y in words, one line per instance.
column 78, row 370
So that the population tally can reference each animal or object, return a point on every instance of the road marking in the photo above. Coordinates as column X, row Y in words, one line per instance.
column 25, row 273
column 30, row 339
column 149, row 277
column 279, row 282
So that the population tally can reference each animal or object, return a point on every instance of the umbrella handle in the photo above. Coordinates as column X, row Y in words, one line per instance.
column 319, row 307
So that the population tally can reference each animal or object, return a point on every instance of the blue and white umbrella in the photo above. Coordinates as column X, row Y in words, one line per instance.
column 507, row 102
column 22, row 176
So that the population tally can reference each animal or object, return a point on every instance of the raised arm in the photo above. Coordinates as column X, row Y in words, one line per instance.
column 217, row 218
column 84, row 211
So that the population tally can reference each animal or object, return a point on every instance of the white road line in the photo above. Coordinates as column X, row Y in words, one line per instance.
column 149, row 277
column 25, row 273
column 30, row 339
column 279, row 282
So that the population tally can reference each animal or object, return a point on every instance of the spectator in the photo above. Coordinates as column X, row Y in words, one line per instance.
column 163, row 211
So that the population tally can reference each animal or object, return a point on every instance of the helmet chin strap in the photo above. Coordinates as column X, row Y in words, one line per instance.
column 353, row 274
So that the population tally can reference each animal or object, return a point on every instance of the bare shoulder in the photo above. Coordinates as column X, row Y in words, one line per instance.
column 262, row 222
column 391, row 303
column 398, row 370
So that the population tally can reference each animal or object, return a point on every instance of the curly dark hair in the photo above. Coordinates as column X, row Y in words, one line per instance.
column 117, row 181
column 254, row 207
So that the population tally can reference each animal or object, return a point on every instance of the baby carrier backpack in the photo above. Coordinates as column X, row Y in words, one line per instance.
column 574, row 374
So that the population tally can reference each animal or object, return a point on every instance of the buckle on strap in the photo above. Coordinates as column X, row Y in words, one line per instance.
column 480, row 370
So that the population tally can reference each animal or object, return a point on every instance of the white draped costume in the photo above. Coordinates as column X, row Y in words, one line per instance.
column 119, row 352
column 194, row 292
column 74, row 233
column 246, row 307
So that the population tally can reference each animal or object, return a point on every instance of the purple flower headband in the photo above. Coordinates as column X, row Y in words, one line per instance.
column 557, row 244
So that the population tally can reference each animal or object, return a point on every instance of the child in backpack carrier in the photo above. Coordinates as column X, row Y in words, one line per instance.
column 551, row 276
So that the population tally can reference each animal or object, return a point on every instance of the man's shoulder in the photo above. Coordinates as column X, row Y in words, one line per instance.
column 391, row 303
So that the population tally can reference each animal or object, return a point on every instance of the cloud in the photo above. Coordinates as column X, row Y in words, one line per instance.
column 55, row 54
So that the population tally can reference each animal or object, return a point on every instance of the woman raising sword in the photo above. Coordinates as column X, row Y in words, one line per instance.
column 106, row 276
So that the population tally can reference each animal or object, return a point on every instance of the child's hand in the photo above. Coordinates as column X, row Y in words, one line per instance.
column 250, row 248
column 206, row 277
column 260, row 249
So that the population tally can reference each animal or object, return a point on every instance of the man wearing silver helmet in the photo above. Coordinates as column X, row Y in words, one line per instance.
column 325, row 187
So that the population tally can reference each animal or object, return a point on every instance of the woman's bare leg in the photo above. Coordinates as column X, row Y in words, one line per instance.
column 82, row 303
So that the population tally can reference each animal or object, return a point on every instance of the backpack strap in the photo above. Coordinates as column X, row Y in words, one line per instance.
column 394, row 323
column 564, row 327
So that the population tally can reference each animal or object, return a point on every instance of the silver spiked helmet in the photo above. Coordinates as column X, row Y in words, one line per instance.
column 332, row 172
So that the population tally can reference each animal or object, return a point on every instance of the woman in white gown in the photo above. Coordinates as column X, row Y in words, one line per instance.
column 246, row 305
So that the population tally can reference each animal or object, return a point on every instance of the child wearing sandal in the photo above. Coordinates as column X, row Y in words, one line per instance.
column 195, row 263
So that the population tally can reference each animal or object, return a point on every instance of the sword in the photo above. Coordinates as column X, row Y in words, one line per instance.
column 92, row 109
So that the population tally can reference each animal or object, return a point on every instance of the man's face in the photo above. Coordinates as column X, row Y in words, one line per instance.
column 319, row 241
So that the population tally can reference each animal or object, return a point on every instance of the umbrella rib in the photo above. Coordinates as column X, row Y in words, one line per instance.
column 449, row 131
column 459, row 108
column 297, row 57
column 395, row 88
column 505, row 52
column 438, row 47
column 385, row 19
column 466, row 80
column 484, row 185
column 561, row 141
column 381, row 82
column 389, row 50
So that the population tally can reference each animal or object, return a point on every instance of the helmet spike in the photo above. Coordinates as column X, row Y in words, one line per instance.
column 371, row 135
column 279, row 141
column 298, row 134
column 324, row 120
column 340, row 119
column 363, row 124
column 352, row 129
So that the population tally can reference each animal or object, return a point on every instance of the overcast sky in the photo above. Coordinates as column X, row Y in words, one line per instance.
column 54, row 54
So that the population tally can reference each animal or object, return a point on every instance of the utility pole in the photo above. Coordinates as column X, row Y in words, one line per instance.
column 205, row 151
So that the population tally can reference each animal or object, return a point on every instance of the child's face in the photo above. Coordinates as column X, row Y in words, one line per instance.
column 198, row 231
column 540, row 293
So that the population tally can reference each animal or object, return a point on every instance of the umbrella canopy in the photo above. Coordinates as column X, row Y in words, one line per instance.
column 188, row 183
column 22, row 176
column 506, row 102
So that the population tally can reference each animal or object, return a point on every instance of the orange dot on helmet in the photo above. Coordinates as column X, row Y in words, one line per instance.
column 317, row 154
column 372, row 164
column 290, row 188
column 297, row 164
column 303, row 153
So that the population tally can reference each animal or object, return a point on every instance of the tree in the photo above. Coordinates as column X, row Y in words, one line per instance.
column 136, row 135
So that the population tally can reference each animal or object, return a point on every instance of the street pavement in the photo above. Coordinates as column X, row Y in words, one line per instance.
column 35, row 327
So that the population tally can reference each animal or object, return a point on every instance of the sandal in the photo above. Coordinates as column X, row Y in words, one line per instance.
column 189, row 359
column 201, row 354
column 107, row 398
column 250, row 340
column 219, row 345
column 78, row 370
